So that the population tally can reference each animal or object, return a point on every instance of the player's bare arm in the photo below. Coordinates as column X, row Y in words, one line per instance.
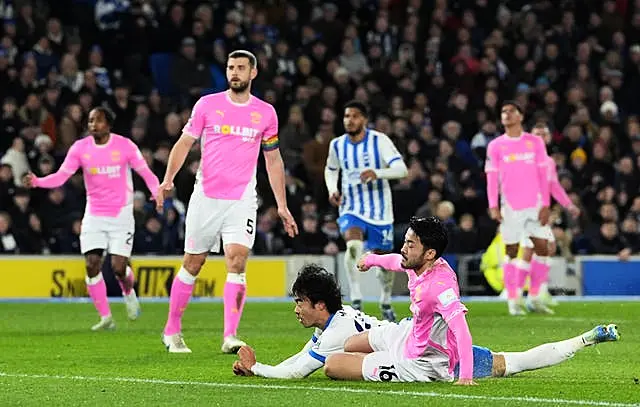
column 275, row 171
column 177, row 156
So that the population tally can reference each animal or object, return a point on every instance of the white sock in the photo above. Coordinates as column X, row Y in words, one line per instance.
column 386, row 281
column 186, row 277
column 237, row 278
column 546, row 355
column 132, row 293
column 351, row 257
column 93, row 280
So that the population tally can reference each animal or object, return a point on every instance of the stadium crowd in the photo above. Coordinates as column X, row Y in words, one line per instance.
column 433, row 73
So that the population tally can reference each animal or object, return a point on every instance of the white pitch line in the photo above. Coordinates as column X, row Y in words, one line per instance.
column 538, row 400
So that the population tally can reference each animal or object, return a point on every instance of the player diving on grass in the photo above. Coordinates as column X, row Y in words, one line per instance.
column 106, row 160
column 337, row 327
column 435, row 344
column 232, row 127
column 367, row 160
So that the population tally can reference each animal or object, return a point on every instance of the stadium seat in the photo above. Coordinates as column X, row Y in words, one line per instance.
column 161, row 72
column 218, row 79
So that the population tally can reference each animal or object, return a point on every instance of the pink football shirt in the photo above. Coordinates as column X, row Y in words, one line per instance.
column 231, row 135
column 521, row 165
column 435, row 302
column 106, row 170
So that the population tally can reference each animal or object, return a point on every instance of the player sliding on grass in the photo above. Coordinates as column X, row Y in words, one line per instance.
column 436, row 344
column 106, row 160
column 318, row 305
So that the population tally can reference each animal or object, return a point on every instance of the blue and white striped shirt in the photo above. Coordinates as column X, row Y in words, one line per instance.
column 369, row 201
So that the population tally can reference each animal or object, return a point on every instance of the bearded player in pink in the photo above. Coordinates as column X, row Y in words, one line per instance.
column 517, row 171
column 106, row 160
column 538, row 287
column 436, row 345
column 232, row 127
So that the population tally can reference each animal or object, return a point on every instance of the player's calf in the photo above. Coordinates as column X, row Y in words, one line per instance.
column 235, row 290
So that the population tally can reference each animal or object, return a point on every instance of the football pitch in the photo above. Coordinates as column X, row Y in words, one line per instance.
column 49, row 357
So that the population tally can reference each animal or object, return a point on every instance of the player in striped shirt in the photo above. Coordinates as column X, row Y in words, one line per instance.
column 367, row 160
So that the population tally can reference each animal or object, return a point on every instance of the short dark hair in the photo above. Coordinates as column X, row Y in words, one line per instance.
column 253, row 62
column 317, row 284
column 514, row 104
column 355, row 104
column 109, row 116
column 431, row 232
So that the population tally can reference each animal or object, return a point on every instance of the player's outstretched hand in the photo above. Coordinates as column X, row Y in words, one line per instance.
column 494, row 213
column 465, row 382
column 361, row 264
column 240, row 370
column 543, row 216
column 247, row 357
column 29, row 180
column 335, row 199
column 289, row 223
column 368, row 176
column 165, row 187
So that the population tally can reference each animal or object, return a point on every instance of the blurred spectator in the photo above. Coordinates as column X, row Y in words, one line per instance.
column 433, row 75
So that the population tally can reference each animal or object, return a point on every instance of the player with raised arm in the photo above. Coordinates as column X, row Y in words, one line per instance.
column 318, row 305
column 367, row 160
column 539, row 277
column 106, row 160
column 436, row 344
column 517, row 171
column 232, row 126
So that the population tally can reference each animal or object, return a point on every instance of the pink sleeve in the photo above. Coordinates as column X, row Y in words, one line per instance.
column 69, row 166
column 460, row 329
column 448, row 305
column 543, row 172
column 270, row 139
column 390, row 262
column 195, row 125
column 555, row 188
column 139, row 165
column 491, row 169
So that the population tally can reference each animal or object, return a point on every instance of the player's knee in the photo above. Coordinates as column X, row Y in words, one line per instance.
column 512, row 251
column 193, row 263
column 92, row 264
column 236, row 263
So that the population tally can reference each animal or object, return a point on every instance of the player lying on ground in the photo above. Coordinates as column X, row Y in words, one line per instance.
column 318, row 305
column 106, row 160
column 436, row 344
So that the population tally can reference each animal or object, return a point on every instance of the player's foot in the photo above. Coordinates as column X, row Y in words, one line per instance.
column 601, row 333
column 175, row 343
column 515, row 308
column 537, row 305
column 548, row 300
column 106, row 323
column 231, row 344
column 133, row 306
column 387, row 312
column 356, row 305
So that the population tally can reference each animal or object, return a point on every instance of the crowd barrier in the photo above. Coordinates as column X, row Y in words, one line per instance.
column 272, row 276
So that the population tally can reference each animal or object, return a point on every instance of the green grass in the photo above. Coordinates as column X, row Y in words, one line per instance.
column 65, row 364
